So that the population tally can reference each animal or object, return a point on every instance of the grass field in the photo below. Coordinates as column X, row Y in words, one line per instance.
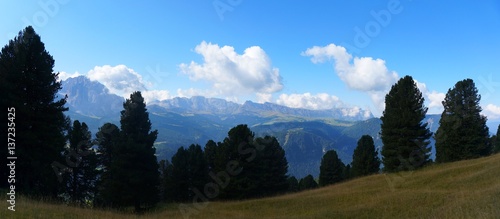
column 466, row 189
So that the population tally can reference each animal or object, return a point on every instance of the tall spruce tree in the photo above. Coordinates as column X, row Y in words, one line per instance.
column 180, row 175
column 496, row 142
column 210, row 152
column 237, row 148
column 331, row 169
column 29, row 87
column 134, row 169
column 404, row 135
column 293, row 184
column 365, row 159
column 81, row 183
column 272, row 167
column 167, row 183
column 107, row 140
column 190, row 172
column 462, row 133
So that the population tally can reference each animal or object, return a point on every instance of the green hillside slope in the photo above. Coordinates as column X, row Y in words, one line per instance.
column 466, row 189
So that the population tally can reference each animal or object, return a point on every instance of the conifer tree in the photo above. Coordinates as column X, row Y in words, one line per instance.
column 108, row 141
column 365, row 159
column 331, row 169
column 404, row 135
column 293, row 184
column 210, row 152
column 81, row 183
column 496, row 143
column 272, row 166
column 29, row 87
column 462, row 132
column 133, row 172
column 307, row 183
column 180, row 175
column 167, row 183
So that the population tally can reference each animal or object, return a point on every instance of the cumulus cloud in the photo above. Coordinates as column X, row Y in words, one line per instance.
column 264, row 97
column 65, row 75
column 359, row 73
column 155, row 95
column 492, row 111
column 231, row 73
column 120, row 79
column 433, row 98
column 308, row 101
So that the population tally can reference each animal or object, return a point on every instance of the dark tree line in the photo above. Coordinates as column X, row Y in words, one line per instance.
column 365, row 161
column 241, row 166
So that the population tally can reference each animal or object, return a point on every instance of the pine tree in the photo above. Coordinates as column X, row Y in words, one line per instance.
column 307, row 183
column 272, row 167
column 237, row 148
column 167, row 183
column 197, row 169
column 404, row 135
column 133, row 170
column 347, row 172
column 293, row 184
column 496, row 143
column 365, row 159
column 180, row 175
column 331, row 169
column 81, row 183
column 108, row 141
column 210, row 152
column 462, row 133
column 29, row 86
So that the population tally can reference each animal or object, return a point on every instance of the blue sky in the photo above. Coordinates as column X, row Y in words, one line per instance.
column 311, row 54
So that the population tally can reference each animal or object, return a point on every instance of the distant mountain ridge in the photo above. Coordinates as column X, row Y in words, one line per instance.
column 215, row 106
column 90, row 98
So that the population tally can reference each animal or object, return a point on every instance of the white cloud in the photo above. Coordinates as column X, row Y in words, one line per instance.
column 64, row 75
column 359, row 73
column 152, row 95
column 233, row 74
column 436, row 99
column 119, row 79
column 492, row 111
column 433, row 98
column 263, row 97
column 309, row 101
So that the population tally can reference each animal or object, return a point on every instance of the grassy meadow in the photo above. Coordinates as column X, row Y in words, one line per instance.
column 465, row 189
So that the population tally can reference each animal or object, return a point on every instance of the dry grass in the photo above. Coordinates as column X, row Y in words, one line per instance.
column 466, row 189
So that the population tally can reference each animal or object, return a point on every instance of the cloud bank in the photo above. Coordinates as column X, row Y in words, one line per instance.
column 308, row 101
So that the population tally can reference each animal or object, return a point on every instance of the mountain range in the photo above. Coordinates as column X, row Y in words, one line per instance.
column 304, row 134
